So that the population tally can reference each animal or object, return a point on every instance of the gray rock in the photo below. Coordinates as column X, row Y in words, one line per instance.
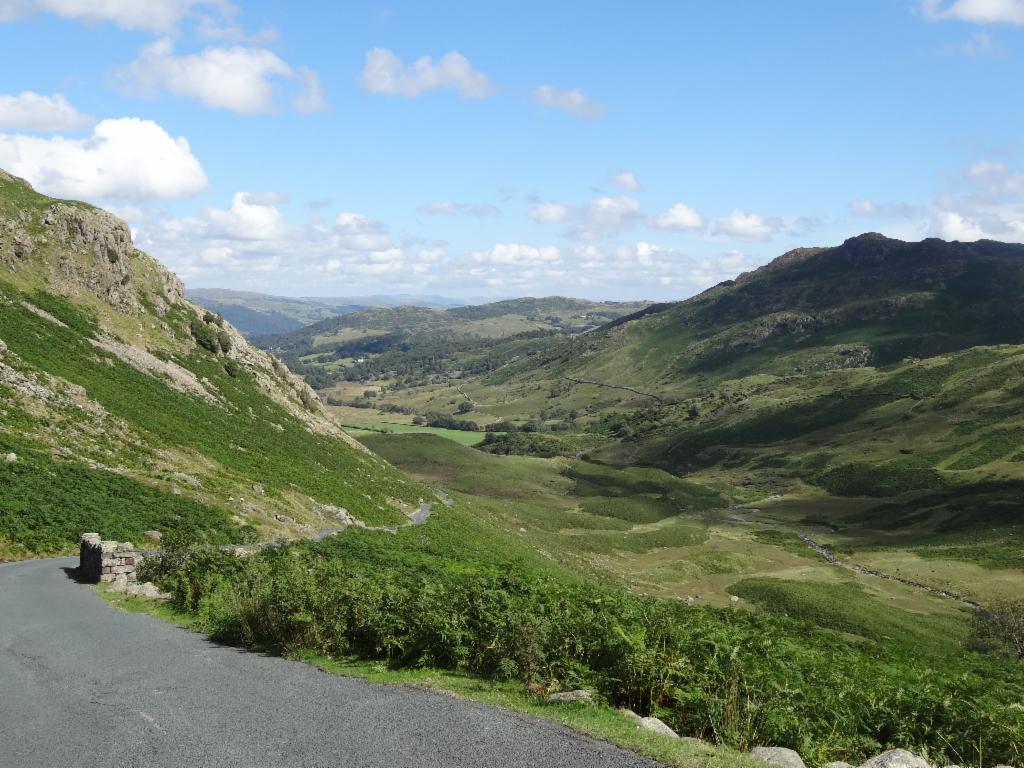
column 896, row 758
column 657, row 726
column 10, row 458
column 631, row 715
column 837, row 764
column 153, row 535
column 778, row 756
column 568, row 697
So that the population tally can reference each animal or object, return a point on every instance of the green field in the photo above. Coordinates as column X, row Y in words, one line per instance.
column 460, row 436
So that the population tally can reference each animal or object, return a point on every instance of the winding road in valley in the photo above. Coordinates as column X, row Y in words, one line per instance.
column 84, row 684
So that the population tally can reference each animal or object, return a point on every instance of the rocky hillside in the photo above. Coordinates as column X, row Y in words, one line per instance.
column 124, row 407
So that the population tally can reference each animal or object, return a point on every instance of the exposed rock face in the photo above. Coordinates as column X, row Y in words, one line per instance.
column 778, row 756
column 105, row 241
column 896, row 758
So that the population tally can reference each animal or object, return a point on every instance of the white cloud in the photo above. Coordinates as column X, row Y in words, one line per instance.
column 952, row 226
column 159, row 16
column 870, row 209
column 680, row 217
column 126, row 157
column 386, row 73
column 311, row 94
column 742, row 225
column 239, row 78
column 976, row 11
column 625, row 180
column 575, row 102
column 516, row 254
column 30, row 111
column 451, row 208
column 549, row 213
column 604, row 216
column 250, row 217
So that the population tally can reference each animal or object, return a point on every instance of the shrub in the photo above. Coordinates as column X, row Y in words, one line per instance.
column 224, row 341
column 204, row 335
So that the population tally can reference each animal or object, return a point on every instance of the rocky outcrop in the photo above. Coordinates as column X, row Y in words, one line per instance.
column 571, row 697
column 896, row 758
column 655, row 725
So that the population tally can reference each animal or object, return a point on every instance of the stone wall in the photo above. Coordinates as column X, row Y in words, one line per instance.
column 106, row 560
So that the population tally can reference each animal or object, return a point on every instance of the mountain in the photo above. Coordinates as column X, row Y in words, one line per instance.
column 421, row 342
column 124, row 407
column 878, row 368
column 260, row 314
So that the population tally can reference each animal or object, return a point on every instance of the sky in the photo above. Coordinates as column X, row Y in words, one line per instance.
column 611, row 150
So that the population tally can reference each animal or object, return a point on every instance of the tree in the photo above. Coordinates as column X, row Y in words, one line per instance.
column 465, row 407
column 999, row 628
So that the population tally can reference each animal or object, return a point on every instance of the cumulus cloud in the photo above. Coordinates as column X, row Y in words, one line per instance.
column 575, row 101
column 385, row 73
column 239, row 78
column 625, row 180
column 451, row 208
column 604, row 216
column 679, row 217
column 158, row 16
column 742, row 225
column 125, row 157
column 952, row 226
column 29, row 111
column 250, row 217
column 976, row 11
column 991, row 206
column 549, row 213
column 516, row 254
column 251, row 243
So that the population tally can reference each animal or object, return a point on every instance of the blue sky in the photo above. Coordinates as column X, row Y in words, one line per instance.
column 600, row 149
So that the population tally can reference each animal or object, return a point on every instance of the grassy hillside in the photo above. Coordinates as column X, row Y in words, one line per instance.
column 414, row 344
column 123, row 407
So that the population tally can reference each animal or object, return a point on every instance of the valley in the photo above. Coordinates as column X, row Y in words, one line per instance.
column 631, row 499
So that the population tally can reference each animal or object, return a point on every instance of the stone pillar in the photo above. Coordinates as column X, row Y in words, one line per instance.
column 90, row 557
column 106, row 560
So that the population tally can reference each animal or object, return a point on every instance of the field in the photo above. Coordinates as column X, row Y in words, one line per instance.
column 462, row 437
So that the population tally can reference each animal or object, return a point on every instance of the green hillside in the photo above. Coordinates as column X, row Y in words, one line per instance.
column 415, row 344
column 124, row 408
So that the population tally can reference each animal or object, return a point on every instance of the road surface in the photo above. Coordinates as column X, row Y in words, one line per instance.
column 84, row 684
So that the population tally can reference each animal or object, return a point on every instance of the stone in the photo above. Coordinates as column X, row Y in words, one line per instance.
column 837, row 764
column 629, row 713
column 569, row 697
column 284, row 519
column 733, row 599
column 657, row 726
column 781, row 757
column 153, row 535
column 10, row 458
column 896, row 758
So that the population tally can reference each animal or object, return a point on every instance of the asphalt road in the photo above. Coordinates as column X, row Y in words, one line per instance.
column 84, row 684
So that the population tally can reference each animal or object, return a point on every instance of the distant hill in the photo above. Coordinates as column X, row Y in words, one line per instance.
column 124, row 407
column 260, row 314
column 875, row 368
column 421, row 341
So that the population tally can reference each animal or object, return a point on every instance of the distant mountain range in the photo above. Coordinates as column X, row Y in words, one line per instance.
column 260, row 314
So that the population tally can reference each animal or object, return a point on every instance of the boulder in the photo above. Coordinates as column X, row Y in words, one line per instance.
column 631, row 715
column 778, row 756
column 569, row 697
column 153, row 535
column 837, row 764
column 896, row 758
column 657, row 726
column 11, row 458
